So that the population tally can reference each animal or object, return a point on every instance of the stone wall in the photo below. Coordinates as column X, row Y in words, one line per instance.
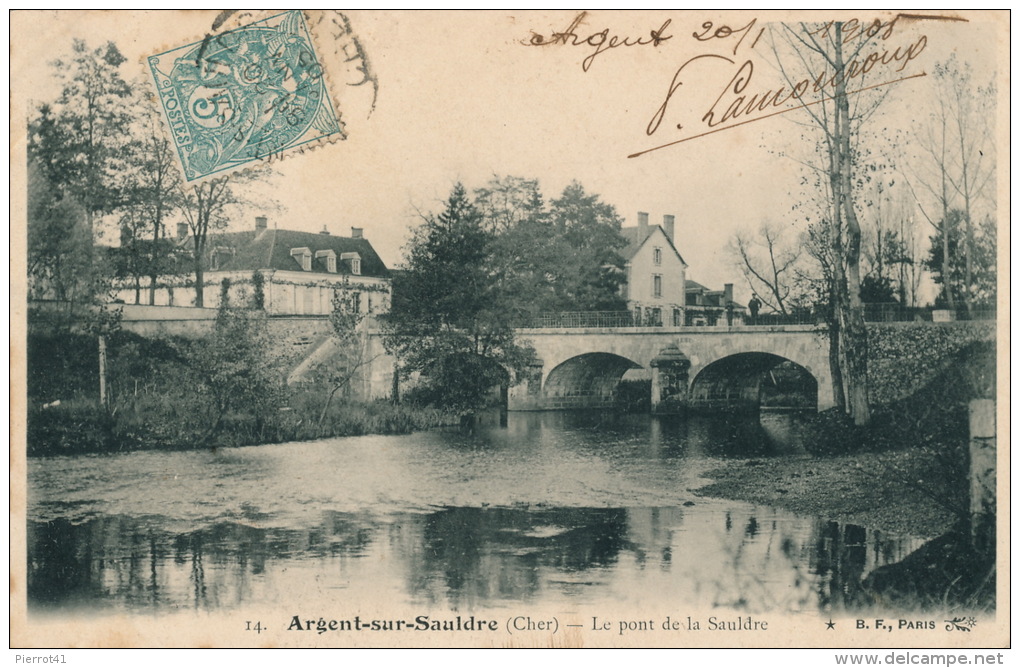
column 904, row 357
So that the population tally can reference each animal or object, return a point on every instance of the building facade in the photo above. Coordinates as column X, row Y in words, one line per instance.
column 711, row 308
column 656, row 273
column 299, row 271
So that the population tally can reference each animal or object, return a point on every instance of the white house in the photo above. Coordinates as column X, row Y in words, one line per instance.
column 299, row 271
column 656, row 272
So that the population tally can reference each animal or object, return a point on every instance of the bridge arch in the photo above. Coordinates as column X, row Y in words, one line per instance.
column 743, row 380
column 586, row 380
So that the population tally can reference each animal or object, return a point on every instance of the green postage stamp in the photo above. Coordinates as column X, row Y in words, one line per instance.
column 243, row 96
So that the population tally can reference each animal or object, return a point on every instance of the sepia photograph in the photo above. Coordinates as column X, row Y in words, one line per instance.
column 503, row 329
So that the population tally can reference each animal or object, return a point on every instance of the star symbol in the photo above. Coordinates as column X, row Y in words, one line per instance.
column 830, row 624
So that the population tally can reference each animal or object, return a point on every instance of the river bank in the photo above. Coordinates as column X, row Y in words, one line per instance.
column 906, row 472
column 869, row 489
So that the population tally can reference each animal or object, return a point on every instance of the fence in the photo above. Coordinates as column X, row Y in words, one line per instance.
column 694, row 317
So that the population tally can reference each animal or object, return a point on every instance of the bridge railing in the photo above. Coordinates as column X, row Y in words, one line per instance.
column 701, row 317
column 579, row 319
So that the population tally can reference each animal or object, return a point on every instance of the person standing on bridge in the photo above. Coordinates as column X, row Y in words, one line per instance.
column 753, row 306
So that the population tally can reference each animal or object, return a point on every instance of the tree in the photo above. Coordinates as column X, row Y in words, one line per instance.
column 769, row 264
column 976, row 287
column 956, row 161
column 234, row 370
column 507, row 202
column 76, row 152
column 206, row 207
column 525, row 250
column 153, row 193
column 81, row 141
column 888, row 246
column 823, row 284
column 558, row 258
column 446, row 322
column 348, row 355
column 877, row 290
column 829, row 48
column 60, row 251
column 592, row 272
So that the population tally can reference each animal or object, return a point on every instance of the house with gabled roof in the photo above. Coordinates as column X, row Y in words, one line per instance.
column 713, row 307
column 656, row 272
column 299, row 270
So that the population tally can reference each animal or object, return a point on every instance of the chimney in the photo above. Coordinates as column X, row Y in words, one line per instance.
column 642, row 221
column 669, row 226
column 728, row 293
column 324, row 231
column 182, row 230
column 357, row 232
column 261, row 223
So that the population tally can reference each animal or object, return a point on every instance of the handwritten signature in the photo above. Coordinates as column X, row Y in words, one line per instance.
column 743, row 99
column 739, row 104
column 601, row 40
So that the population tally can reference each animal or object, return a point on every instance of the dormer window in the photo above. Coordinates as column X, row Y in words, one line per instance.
column 302, row 256
column 330, row 258
column 218, row 256
column 354, row 262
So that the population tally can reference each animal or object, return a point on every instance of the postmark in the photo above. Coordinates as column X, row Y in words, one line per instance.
column 244, row 96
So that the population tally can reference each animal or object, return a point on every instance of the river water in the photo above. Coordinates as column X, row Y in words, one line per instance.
column 553, row 510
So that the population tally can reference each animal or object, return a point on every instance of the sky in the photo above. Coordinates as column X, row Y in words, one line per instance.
column 462, row 97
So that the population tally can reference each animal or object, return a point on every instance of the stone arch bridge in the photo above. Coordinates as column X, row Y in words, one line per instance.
column 697, row 367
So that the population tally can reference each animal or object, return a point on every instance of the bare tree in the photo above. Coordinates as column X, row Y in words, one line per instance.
column 975, row 152
column 206, row 208
column 159, row 189
column 767, row 263
column 956, row 160
column 831, row 48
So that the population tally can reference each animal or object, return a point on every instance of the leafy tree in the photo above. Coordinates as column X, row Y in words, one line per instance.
column 562, row 257
column 76, row 151
column 81, row 141
column 525, row 250
column 349, row 348
column 877, row 290
column 60, row 249
column 446, row 321
column 980, row 291
column 592, row 272
column 507, row 202
column 234, row 370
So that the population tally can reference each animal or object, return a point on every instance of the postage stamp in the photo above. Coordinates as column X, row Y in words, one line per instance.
column 244, row 96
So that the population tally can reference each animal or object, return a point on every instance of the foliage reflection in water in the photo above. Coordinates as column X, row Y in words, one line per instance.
column 385, row 517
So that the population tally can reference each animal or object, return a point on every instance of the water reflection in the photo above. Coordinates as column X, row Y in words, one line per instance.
column 550, row 508
column 466, row 558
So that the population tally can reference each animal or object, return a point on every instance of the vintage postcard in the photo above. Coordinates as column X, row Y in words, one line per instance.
column 511, row 329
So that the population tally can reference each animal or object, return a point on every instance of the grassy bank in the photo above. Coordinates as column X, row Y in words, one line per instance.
column 80, row 427
column 183, row 394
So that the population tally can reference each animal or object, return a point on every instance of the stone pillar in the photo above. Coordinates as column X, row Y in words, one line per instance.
column 526, row 392
column 670, row 370
column 982, row 475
